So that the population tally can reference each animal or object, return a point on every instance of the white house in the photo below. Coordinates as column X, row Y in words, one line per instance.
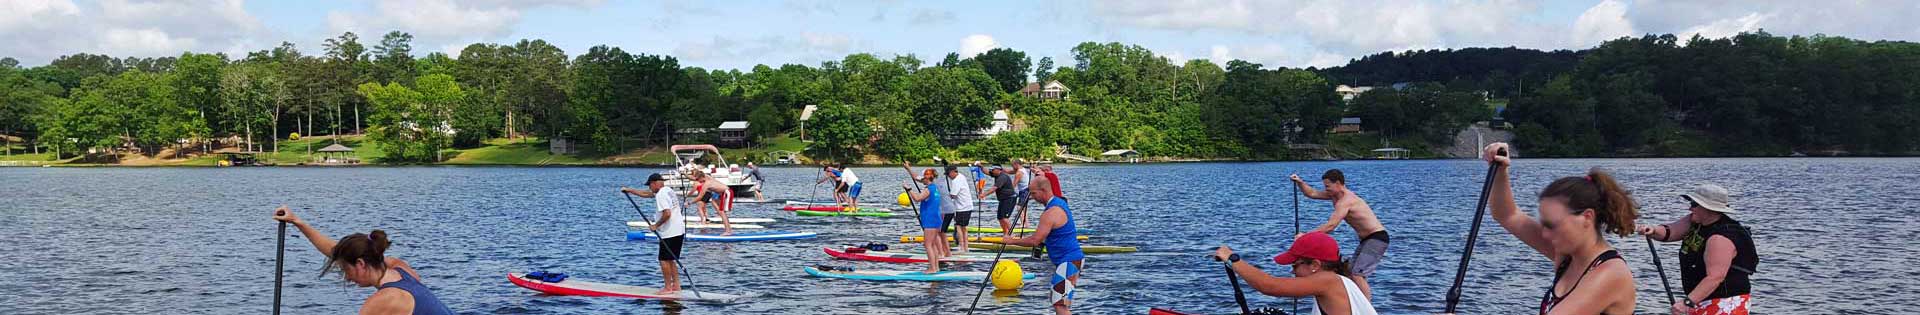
column 1051, row 90
column 1347, row 93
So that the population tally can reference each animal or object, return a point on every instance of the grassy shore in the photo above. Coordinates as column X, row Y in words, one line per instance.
column 500, row 151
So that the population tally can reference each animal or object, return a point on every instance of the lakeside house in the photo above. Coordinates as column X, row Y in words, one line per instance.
column 733, row 134
column 1346, row 125
column 1124, row 155
column 806, row 114
column 1347, row 93
column 1001, row 123
column 1051, row 90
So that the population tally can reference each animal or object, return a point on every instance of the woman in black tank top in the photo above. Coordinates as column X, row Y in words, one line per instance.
column 1575, row 214
column 1717, row 255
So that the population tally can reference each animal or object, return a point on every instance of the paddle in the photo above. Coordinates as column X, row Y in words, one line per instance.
column 1238, row 296
column 1662, row 271
column 280, row 266
column 1294, row 307
column 996, row 261
column 1473, row 235
column 658, row 239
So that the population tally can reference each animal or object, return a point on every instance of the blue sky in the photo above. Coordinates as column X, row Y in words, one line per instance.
column 740, row 34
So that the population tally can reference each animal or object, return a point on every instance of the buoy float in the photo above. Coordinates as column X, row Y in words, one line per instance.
column 904, row 200
column 1006, row 275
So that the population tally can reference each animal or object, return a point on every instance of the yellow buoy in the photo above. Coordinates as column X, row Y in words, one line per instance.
column 904, row 199
column 1006, row 275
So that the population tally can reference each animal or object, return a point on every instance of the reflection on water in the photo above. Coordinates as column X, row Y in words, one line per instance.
column 173, row 240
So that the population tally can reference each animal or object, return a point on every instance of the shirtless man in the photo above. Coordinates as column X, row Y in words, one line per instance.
column 1349, row 207
column 712, row 192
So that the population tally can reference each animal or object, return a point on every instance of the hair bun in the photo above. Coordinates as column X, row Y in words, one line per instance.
column 379, row 238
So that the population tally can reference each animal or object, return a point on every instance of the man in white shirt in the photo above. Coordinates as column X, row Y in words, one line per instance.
column 670, row 227
column 852, row 183
column 960, row 196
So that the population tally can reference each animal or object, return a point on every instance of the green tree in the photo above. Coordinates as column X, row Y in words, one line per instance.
column 839, row 131
column 393, row 58
column 1006, row 66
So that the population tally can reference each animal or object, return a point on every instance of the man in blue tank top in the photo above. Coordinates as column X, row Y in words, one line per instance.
column 1057, row 233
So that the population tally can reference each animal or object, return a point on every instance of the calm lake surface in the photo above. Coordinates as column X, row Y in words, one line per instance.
column 1836, row 236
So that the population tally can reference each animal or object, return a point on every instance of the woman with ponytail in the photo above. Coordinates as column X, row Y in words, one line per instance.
column 362, row 260
column 1576, row 213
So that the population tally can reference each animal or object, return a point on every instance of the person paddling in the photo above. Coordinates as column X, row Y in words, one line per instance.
column 1003, row 192
column 362, row 260
column 1058, row 234
column 960, row 195
column 833, row 176
column 1576, row 212
column 670, row 227
column 1349, row 207
column 754, row 172
column 715, row 193
column 1318, row 273
column 929, row 206
column 849, row 187
column 1047, row 170
column 1022, row 176
column 1717, row 255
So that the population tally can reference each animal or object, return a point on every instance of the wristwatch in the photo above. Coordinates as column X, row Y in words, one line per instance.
column 1234, row 258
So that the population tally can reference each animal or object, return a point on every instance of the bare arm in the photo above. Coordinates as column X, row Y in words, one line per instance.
column 1277, row 286
column 1675, row 230
column 1720, row 252
column 1049, row 219
column 321, row 242
column 1333, row 221
column 1307, row 190
column 1507, row 213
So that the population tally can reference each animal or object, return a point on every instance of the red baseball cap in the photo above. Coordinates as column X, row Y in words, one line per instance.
column 1316, row 246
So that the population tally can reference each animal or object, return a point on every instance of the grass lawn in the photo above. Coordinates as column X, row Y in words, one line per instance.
column 295, row 151
column 525, row 151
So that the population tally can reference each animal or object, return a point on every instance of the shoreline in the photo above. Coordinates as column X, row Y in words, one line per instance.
column 25, row 164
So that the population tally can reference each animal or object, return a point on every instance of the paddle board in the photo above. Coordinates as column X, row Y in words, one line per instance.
column 836, row 213
column 736, row 237
column 831, row 202
column 901, row 275
column 1089, row 249
column 831, row 208
column 690, row 225
column 982, row 229
column 586, row 288
column 910, row 239
column 734, row 220
column 904, row 257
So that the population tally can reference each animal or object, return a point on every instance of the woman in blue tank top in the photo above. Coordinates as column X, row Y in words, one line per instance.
column 1057, row 233
column 362, row 260
column 929, row 213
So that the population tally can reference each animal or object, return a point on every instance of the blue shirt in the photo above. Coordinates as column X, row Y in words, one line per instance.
column 1063, row 244
column 930, row 208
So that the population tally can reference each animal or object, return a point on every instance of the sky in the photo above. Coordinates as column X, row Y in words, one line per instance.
column 741, row 34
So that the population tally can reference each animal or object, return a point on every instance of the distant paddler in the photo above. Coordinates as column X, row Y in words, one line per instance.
column 961, row 196
column 713, row 192
column 1717, row 255
column 1576, row 212
column 362, row 260
column 753, row 171
column 1057, row 233
column 1022, row 177
column 1318, row 273
column 1349, row 207
column 1002, row 191
column 925, row 191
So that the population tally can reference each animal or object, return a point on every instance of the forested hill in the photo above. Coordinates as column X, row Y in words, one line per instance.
column 1753, row 94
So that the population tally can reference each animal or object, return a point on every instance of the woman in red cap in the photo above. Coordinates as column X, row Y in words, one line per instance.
column 1576, row 213
column 1317, row 273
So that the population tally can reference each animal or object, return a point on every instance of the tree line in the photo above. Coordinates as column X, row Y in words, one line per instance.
column 1752, row 94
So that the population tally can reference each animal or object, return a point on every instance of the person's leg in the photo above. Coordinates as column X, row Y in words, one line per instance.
column 669, row 268
column 1366, row 257
column 961, row 221
column 701, row 208
column 853, row 196
column 722, row 207
column 1023, row 198
column 1005, row 213
column 1065, row 276
column 946, row 228
column 932, row 242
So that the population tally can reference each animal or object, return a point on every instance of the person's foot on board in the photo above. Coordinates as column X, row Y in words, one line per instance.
column 667, row 292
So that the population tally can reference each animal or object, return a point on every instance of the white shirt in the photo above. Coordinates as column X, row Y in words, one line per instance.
column 847, row 177
column 668, row 200
column 1357, row 303
column 960, row 190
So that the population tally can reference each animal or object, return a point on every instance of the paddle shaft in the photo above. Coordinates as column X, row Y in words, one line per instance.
column 1473, row 236
column 1662, row 270
column 1295, row 305
column 996, row 262
column 279, row 267
column 1238, row 296
column 659, row 239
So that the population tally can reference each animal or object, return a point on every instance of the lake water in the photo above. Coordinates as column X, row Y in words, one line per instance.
column 1836, row 236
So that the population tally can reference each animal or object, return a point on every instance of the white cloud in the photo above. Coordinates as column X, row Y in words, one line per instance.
column 1727, row 27
column 976, row 44
column 1604, row 21
column 807, row 47
column 1220, row 54
column 37, row 31
column 1343, row 27
column 442, row 21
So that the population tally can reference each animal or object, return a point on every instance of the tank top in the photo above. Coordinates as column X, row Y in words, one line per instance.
column 1025, row 176
column 933, row 201
column 1357, row 302
column 1551, row 299
column 1062, row 242
column 424, row 302
column 1693, row 258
